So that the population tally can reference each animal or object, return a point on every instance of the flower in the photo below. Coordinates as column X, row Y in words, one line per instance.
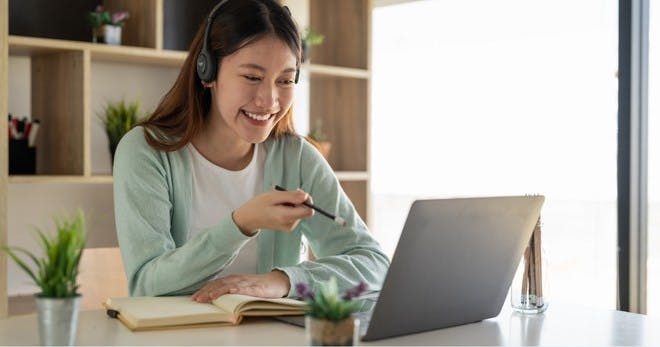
column 327, row 303
column 99, row 17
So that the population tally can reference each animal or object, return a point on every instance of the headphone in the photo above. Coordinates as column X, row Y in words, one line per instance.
column 207, row 65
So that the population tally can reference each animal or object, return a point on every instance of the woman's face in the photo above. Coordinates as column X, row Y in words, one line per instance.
column 254, row 89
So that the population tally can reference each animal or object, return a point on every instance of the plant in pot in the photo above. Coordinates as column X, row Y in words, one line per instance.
column 318, row 139
column 118, row 118
column 106, row 27
column 55, row 273
column 310, row 38
column 329, row 320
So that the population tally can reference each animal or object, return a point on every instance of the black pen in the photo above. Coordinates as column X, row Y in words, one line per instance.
column 337, row 219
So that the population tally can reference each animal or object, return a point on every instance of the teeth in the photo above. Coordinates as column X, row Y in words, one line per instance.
column 256, row 116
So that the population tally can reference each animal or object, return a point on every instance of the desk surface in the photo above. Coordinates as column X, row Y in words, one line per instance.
column 558, row 326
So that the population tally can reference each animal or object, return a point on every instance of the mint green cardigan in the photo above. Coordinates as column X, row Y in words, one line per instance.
column 152, row 198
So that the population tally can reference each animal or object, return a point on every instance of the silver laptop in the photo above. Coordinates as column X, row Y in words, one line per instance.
column 453, row 265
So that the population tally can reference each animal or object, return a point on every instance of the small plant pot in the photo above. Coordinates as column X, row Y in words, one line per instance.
column 324, row 148
column 306, row 52
column 97, row 35
column 112, row 34
column 58, row 320
column 322, row 332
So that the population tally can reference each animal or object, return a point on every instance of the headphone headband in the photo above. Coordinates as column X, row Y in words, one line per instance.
column 207, row 65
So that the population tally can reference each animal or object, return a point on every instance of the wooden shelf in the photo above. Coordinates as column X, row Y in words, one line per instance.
column 317, row 69
column 29, row 179
column 105, row 179
column 352, row 175
column 29, row 46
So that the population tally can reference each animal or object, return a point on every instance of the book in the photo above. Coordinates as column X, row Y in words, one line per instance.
column 166, row 312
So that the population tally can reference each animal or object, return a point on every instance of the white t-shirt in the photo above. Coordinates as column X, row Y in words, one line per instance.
column 217, row 192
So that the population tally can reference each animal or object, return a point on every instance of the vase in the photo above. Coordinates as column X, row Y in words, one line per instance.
column 113, row 149
column 112, row 34
column 58, row 320
column 97, row 35
column 527, row 289
column 323, row 332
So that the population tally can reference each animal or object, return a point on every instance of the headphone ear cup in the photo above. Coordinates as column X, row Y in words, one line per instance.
column 206, row 68
column 202, row 66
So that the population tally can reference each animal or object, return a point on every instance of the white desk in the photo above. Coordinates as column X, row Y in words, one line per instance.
column 559, row 326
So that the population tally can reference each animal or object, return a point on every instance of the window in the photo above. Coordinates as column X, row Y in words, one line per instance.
column 476, row 97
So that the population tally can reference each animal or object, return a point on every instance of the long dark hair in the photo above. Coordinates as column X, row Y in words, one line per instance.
column 182, row 111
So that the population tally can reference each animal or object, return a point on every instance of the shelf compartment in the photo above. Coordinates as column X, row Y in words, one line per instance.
column 357, row 192
column 341, row 105
column 58, row 101
column 346, row 27
column 144, row 27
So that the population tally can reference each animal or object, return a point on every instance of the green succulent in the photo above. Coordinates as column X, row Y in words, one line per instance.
column 327, row 303
column 312, row 38
column 316, row 132
column 118, row 118
column 56, row 272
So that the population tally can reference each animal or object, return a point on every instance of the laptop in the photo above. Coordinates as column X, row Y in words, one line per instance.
column 453, row 265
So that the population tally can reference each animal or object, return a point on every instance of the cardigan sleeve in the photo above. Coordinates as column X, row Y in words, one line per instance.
column 154, row 263
column 349, row 253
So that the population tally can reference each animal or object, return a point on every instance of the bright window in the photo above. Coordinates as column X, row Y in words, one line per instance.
column 481, row 97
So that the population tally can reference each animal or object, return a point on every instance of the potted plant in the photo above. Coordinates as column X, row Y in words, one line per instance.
column 329, row 320
column 318, row 139
column 55, row 273
column 310, row 38
column 106, row 27
column 118, row 118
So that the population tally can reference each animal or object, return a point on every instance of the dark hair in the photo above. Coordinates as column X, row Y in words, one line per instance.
column 182, row 111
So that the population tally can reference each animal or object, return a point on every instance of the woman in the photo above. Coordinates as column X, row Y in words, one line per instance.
column 193, row 185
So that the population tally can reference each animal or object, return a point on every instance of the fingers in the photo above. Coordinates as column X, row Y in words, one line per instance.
column 263, row 285
column 295, row 197
column 216, row 288
column 276, row 210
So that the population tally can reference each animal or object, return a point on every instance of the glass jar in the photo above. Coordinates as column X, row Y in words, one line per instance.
column 527, row 288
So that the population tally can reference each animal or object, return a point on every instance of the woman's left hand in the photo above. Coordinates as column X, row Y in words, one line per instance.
column 274, row 284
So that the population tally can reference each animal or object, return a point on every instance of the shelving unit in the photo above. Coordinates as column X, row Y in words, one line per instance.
column 60, row 95
column 60, row 86
column 340, row 90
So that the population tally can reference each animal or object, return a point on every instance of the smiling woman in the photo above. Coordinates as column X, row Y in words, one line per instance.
column 195, row 208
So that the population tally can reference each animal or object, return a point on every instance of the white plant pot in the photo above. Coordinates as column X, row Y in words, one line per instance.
column 58, row 320
column 112, row 34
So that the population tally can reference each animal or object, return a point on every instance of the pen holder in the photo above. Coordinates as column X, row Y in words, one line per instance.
column 527, row 295
column 22, row 158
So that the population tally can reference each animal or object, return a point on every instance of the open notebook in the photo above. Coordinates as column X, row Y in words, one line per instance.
column 149, row 313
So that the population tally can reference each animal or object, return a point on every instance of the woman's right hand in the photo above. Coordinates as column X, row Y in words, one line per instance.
column 275, row 210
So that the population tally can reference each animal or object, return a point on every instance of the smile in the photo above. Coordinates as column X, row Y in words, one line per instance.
column 257, row 117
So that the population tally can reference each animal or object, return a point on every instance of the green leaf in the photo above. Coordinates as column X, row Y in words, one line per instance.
column 56, row 271
column 20, row 263
column 118, row 118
